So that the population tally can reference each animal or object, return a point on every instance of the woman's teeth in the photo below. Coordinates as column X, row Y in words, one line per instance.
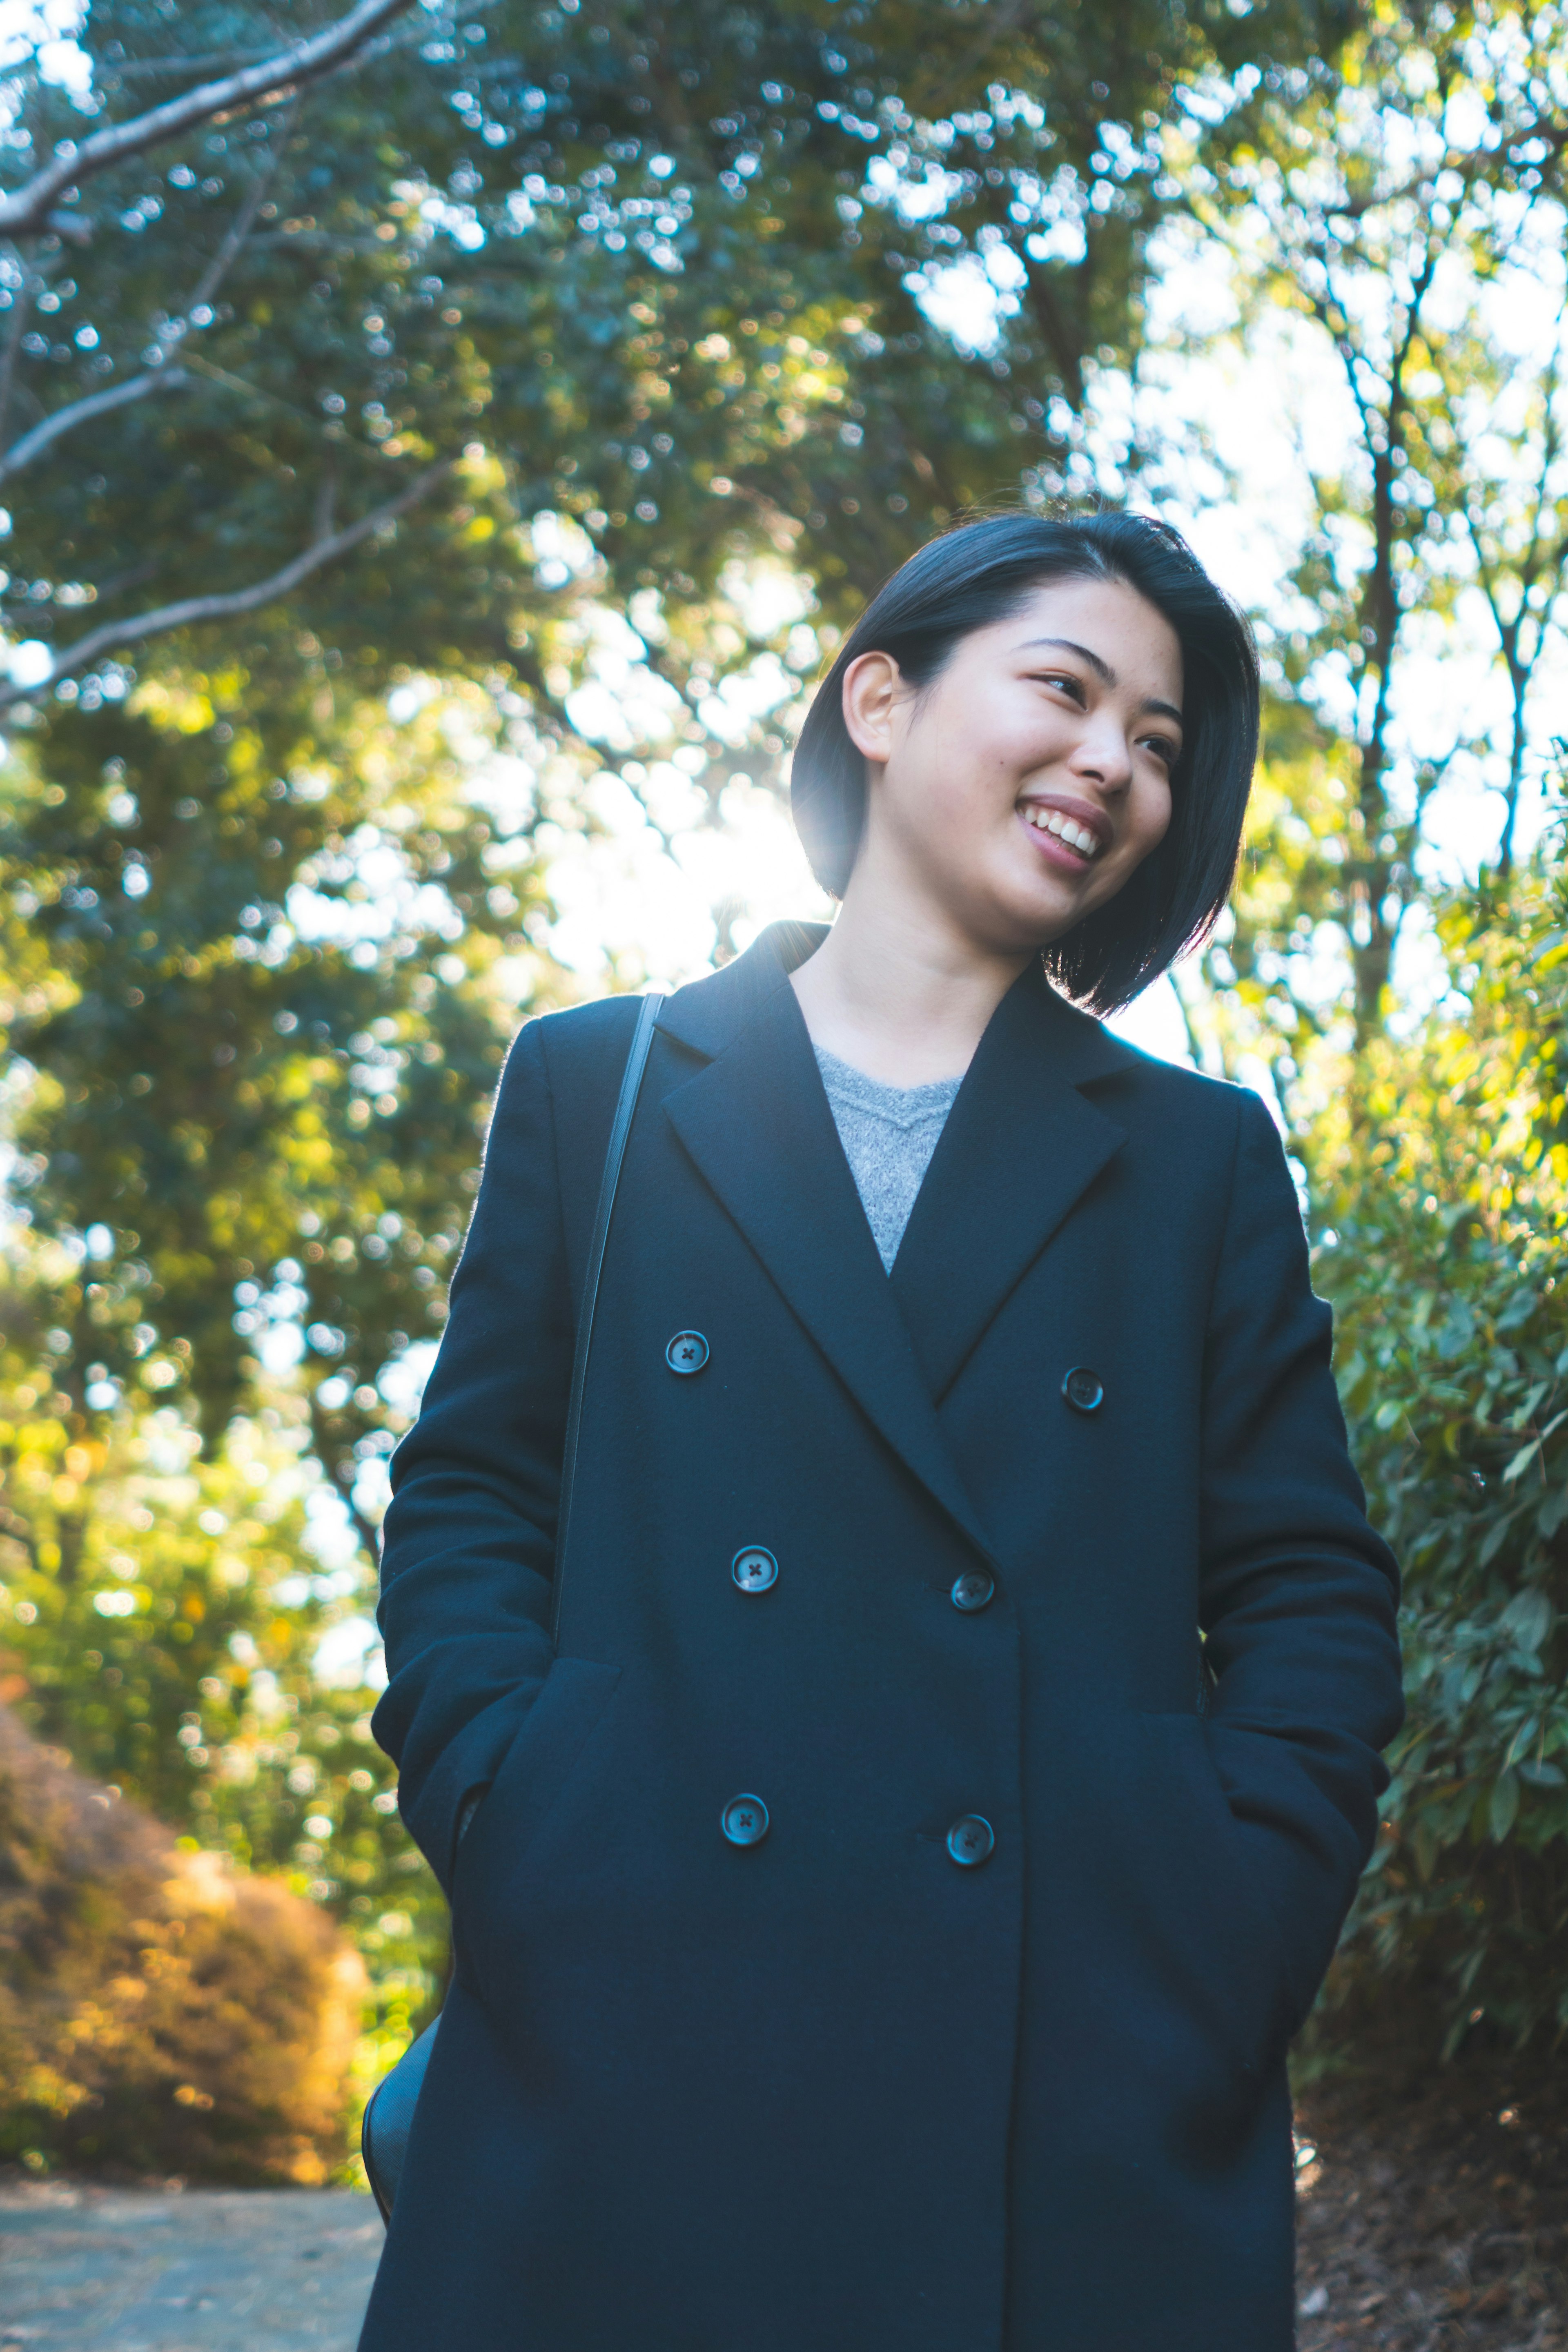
column 1077, row 836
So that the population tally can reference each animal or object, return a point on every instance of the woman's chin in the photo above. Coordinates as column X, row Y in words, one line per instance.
column 1030, row 911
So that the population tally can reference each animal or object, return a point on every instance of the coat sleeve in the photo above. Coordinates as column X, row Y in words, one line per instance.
column 1298, row 1595
column 469, row 1536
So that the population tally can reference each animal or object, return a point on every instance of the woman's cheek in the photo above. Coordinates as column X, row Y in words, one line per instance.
column 1152, row 817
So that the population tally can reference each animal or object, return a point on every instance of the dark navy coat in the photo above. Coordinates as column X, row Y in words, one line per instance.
column 834, row 2091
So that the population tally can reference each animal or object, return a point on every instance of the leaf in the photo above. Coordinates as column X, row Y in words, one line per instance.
column 1529, row 1617
column 1526, row 1454
column 1504, row 1808
column 1553, row 1512
column 1521, row 1739
column 1455, row 2035
column 1496, row 1538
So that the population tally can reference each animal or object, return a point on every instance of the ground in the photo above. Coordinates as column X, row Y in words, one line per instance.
column 1434, row 2214
column 1433, row 2218
column 85, row 2268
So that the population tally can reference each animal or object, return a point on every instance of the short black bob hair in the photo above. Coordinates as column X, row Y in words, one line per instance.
column 977, row 575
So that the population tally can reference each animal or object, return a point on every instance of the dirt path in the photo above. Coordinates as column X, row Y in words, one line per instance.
column 1434, row 2219
column 1434, row 2213
column 84, row 2269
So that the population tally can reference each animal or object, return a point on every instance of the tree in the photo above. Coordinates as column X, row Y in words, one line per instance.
column 439, row 261
column 256, row 1126
column 1401, row 206
column 538, row 228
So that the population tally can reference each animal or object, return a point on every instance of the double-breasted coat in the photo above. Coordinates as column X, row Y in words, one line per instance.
column 859, row 2083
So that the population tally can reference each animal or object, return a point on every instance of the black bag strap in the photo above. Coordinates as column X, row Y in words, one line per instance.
column 631, row 1084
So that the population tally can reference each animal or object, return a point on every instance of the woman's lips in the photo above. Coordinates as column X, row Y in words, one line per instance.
column 1041, row 825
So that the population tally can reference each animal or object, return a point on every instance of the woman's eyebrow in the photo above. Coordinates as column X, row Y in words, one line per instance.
column 1101, row 669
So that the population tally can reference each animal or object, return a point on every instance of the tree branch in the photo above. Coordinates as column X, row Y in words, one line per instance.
column 216, row 61
column 163, row 375
column 193, row 609
column 1064, row 346
column 81, row 412
column 28, row 210
column 244, row 221
column 321, row 1440
column 1194, row 1042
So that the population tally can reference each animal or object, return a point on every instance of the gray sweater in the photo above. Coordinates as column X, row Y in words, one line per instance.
column 888, row 1134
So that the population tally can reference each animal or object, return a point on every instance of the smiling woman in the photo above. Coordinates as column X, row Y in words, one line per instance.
column 887, row 1869
column 1083, row 678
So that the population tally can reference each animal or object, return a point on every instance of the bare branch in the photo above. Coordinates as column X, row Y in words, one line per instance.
column 244, row 221
column 369, row 450
column 164, row 377
column 192, row 609
column 81, row 412
column 326, row 498
column 28, row 210
column 216, row 61
column 1195, row 1041
column 320, row 1439
column 366, row 1530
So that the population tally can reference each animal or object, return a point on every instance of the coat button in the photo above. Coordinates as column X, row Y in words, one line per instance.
column 744, row 1821
column 1082, row 1390
column 754, row 1569
column 973, row 1591
column 687, row 1352
column 970, row 1840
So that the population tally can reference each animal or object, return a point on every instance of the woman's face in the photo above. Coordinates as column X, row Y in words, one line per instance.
column 1020, row 790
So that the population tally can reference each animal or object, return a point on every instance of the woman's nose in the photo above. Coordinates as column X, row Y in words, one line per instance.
column 1103, row 755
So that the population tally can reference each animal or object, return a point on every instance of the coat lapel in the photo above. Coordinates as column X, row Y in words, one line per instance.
column 756, row 1123
column 1021, row 1146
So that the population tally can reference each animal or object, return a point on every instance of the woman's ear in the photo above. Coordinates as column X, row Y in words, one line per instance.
column 872, row 684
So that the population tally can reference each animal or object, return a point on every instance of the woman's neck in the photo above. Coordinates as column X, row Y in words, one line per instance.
column 902, row 999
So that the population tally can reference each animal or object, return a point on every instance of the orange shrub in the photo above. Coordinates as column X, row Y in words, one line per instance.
column 160, row 2013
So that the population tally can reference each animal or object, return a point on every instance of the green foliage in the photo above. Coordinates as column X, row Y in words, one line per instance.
column 251, row 959
column 160, row 1611
column 665, row 267
column 1447, row 1206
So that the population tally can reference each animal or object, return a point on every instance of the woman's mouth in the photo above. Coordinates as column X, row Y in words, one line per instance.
column 1064, row 841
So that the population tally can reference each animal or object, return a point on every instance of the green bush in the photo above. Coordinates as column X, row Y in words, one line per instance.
column 1445, row 1181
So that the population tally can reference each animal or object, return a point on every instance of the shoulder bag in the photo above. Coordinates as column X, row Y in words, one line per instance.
column 389, row 2113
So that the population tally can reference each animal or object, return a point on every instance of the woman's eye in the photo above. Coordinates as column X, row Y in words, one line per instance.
column 1064, row 678
column 1163, row 749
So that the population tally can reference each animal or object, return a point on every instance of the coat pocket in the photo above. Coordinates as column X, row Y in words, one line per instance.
column 1220, row 1916
column 533, row 1775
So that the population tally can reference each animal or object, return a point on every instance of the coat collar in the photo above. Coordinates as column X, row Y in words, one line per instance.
column 1019, row 1148
column 710, row 1014
column 756, row 1122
